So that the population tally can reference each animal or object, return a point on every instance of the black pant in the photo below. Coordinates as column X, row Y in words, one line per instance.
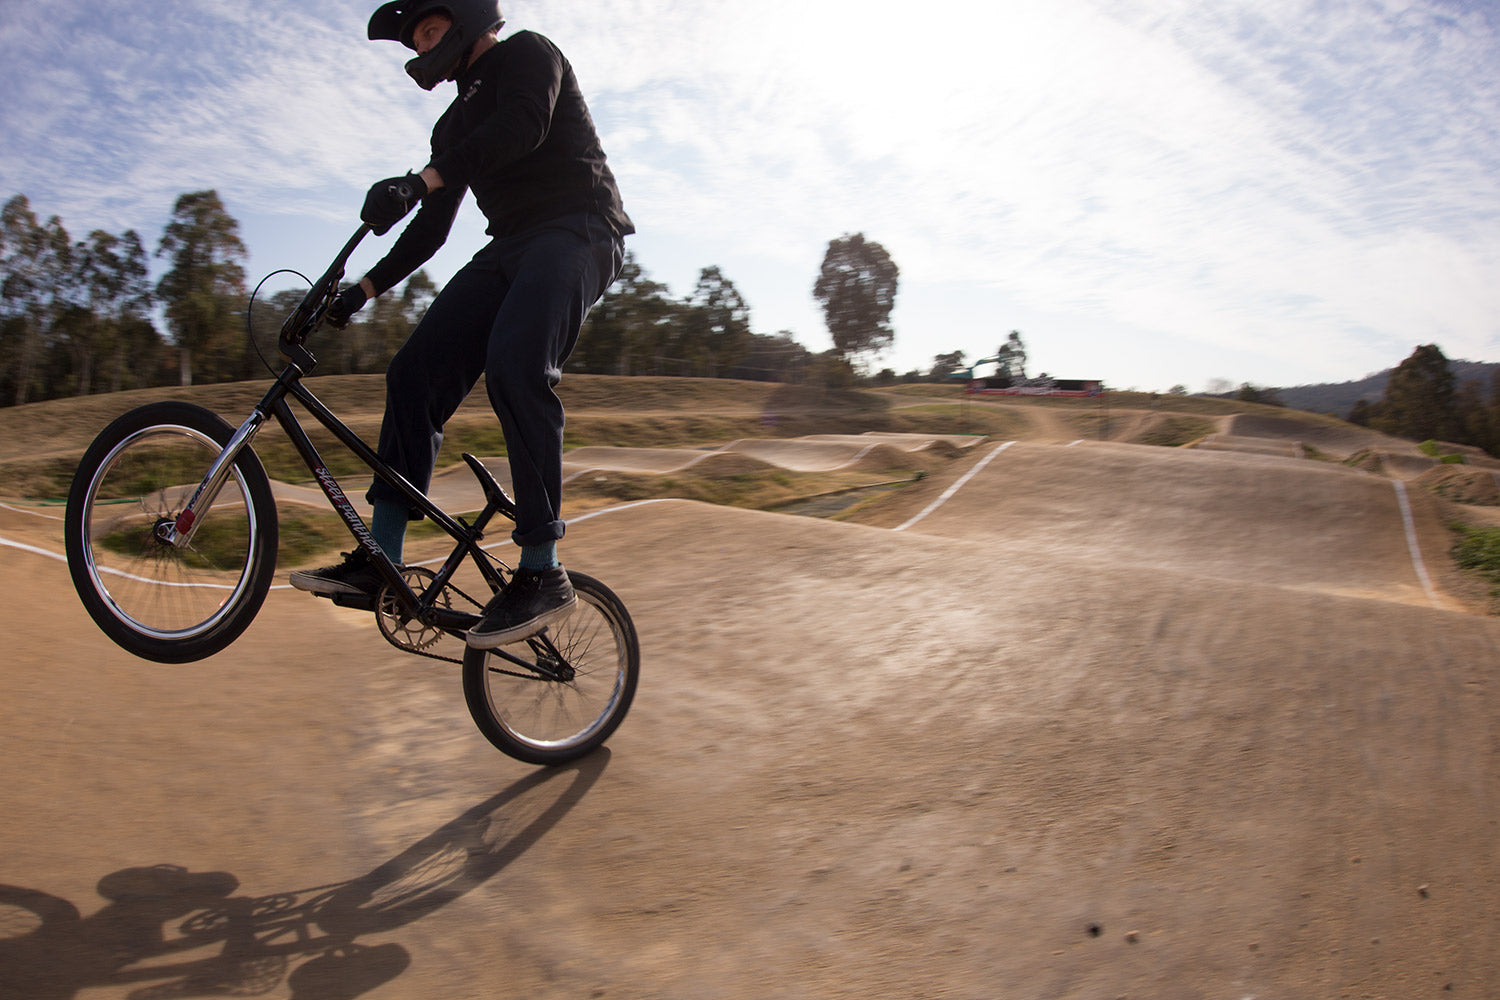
column 512, row 314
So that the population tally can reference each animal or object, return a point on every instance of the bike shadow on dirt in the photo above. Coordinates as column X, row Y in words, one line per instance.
column 167, row 932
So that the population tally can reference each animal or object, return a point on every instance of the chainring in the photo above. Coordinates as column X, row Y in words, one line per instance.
column 401, row 631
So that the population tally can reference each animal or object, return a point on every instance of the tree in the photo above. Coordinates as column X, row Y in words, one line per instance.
column 113, row 278
column 75, row 317
column 627, row 329
column 1419, row 400
column 773, row 358
column 1012, row 357
column 1492, row 414
column 714, row 332
column 945, row 365
column 366, row 345
column 388, row 321
column 1471, row 418
column 857, row 288
column 205, row 284
column 267, row 313
column 831, row 370
column 35, row 269
column 1250, row 393
column 1365, row 413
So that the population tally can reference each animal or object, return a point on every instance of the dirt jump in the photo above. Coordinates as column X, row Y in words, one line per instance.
column 1066, row 719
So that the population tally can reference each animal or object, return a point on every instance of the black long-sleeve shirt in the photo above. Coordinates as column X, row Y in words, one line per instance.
column 520, row 136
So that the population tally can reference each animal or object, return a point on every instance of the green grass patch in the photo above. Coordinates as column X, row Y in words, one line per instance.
column 45, row 480
column 1174, row 432
column 1478, row 550
column 220, row 540
column 1434, row 449
column 310, row 535
column 1317, row 454
column 956, row 418
column 219, row 543
column 765, row 489
column 307, row 532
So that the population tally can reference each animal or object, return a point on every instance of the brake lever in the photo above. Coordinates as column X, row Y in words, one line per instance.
column 309, row 312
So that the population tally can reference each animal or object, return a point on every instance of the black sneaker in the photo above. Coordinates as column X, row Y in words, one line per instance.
column 534, row 600
column 356, row 576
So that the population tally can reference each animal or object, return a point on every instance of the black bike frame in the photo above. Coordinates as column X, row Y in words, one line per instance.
column 467, row 536
column 294, row 332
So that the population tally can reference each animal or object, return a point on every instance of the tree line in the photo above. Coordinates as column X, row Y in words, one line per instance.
column 1423, row 401
column 81, row 316
column 639, row 329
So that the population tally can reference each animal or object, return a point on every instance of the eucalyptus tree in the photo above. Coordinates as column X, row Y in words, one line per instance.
column 857, row 288
column 35, row 274
column 205, row 285
column 119, row 345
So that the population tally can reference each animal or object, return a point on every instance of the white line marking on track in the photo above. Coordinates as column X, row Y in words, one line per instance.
column 284, row 586
column 32, row 549
column 116, row 572
column 33, row 513
column 571, row 521
column 950, row 491
column 1407, row 521
column 1410, row 525
column 623, row 506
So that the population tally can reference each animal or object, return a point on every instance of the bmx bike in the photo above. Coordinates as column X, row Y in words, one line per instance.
column 171, row 534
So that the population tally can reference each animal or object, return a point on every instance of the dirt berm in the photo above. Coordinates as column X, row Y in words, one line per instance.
column 1086, row 721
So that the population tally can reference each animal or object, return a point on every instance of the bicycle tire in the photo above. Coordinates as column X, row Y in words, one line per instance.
column 542, row 721
column 161, row 603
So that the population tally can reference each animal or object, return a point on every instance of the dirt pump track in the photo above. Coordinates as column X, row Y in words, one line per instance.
column 1069, row 719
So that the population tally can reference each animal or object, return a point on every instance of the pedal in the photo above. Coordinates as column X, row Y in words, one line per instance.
column 359, row 602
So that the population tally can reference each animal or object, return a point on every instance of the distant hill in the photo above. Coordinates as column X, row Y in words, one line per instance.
column 1338, row 398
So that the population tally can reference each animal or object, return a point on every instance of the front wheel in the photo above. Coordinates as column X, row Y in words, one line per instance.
column 154, row 599
column 556, row 697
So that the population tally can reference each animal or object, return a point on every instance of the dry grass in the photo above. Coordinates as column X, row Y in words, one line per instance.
column 40, row 443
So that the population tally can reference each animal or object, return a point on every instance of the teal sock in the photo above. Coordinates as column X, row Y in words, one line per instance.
column 539, row 556
column 388, row 525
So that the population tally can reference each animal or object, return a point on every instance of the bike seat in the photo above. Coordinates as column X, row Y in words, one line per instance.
column 493, row 494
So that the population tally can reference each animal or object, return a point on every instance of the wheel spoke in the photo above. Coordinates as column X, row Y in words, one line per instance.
column 155, row 599
column 550, row 721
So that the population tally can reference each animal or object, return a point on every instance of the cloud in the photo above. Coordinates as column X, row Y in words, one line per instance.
column 127, row 107
column 1297, row 185
column 1287, row 176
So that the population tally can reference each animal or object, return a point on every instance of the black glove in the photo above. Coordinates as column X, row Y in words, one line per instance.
column 391, row 199
column 344, row 305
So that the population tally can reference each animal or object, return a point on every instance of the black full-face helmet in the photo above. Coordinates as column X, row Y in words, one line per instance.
column 398, row 20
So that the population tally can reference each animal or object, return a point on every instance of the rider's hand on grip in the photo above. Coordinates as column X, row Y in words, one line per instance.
column 344, row 305
column 389, row 200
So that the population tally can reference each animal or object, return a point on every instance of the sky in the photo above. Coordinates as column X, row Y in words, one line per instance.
column 1153, row 192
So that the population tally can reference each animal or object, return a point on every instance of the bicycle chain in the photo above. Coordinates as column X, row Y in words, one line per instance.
column 380, row 601
column 438, row 656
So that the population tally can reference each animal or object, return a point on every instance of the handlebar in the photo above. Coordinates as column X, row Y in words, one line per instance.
column 309, row 312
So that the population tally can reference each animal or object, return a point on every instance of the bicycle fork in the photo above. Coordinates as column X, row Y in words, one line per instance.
column 179, row 532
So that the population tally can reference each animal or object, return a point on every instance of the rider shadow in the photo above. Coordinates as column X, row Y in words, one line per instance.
column 159, row 919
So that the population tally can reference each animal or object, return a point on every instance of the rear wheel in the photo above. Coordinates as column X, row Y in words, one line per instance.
column 556, row 697
column 157, row 600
